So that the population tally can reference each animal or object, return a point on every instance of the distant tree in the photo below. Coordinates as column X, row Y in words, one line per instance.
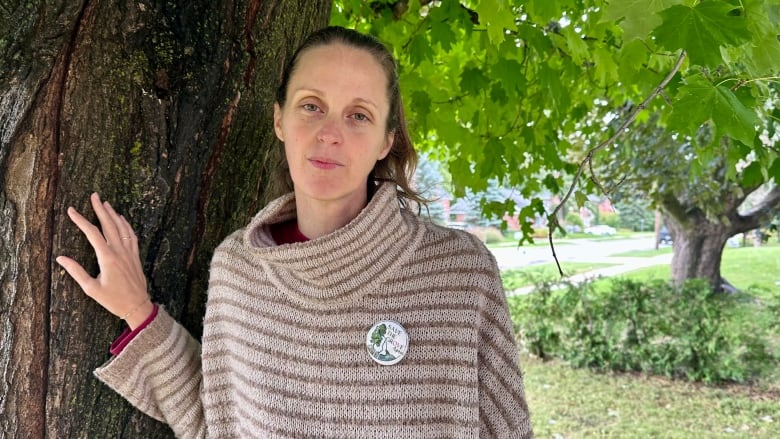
column 635, row 214
column 573, row 219
column 489, row 206
column 774, row 226
column 701, row 208
column 430, row 181
column 611, row 219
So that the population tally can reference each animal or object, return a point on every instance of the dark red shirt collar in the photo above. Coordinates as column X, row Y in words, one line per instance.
column 287, row 233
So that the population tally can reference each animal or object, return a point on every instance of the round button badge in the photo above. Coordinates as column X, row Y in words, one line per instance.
column 387, row 342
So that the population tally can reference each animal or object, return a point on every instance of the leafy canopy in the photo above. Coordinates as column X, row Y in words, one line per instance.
column 520, row 90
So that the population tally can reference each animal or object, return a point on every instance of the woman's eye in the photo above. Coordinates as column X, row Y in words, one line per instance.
column 310, row 107
column 360, row 117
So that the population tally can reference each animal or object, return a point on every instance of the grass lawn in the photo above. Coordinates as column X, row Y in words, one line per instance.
column 538, row 242
column 519, row 277
column 577, row 403
column 749, row 268
column 646, row 253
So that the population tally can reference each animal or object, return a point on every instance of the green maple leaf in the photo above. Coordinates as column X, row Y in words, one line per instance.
column 462, row 175
column 421, row 102
column 632, row 57
column 580, row 198
column 702, row 30
column 578, row 49
column 472, row 80
column 640, row 17
column 764, row 52
column 700, row 101
column 497, row 16
column 510, row 73
column 442, row 33
column 753, row 175
column 606, row 69
column 498, row 93
column 556, row 97
column 491, row 158
column 551, row 183
column 420, row 50
column 546, row 10
column 774, row 170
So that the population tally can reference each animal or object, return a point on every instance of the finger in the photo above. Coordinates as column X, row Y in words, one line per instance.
column 133, row 244
column 77, row 272
column 127, row 230
column 107, row 223
column 95, row 238
column 119, row 225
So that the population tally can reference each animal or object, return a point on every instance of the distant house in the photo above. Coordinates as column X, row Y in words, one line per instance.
column 465, row 211
column 603, row 206
column 457, row 212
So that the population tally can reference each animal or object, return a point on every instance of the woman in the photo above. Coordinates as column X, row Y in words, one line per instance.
column 335, row 313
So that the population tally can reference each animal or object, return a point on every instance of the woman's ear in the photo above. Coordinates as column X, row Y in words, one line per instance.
column 278, row 121
column 386, row 150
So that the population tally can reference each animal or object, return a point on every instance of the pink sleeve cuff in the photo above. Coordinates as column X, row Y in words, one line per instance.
column 127, row 336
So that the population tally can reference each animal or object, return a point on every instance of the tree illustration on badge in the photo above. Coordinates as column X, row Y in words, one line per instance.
column 379, row 339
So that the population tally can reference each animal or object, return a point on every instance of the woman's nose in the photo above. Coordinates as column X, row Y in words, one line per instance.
column 330, row 131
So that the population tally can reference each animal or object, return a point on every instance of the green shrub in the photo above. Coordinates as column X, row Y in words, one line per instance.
column 541, row 232
column 493, row 235
column 653, row 327
column 611, row 219
column 574, row 219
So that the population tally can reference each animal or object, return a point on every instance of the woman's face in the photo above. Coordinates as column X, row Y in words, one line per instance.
column 333, row 123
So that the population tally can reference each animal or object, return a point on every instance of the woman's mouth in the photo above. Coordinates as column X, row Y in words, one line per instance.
column 322, row 163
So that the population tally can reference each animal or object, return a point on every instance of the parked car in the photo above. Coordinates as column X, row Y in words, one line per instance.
column 600, row 230
column 460, row 225
column 664, row 237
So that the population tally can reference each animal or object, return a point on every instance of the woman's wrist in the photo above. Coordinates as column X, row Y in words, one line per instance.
column 139, row 314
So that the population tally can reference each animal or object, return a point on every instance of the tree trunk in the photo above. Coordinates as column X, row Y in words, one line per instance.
column 699, row 239
column 165, row 109
column 697, row 250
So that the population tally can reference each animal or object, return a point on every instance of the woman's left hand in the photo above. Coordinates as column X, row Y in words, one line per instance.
column 120, row 287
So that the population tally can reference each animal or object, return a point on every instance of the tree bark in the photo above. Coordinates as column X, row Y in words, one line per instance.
column 698, row 251
column 164, row 108
column 699, row 239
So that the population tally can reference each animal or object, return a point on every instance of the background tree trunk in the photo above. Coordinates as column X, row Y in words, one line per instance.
column 698, row 250
column 165, row 109
column 699, row 239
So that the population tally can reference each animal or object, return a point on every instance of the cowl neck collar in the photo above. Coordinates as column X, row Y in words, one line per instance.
column 340, row 266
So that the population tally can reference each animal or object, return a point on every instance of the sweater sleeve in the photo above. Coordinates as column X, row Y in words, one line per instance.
column 503, row 409
column 159, row 372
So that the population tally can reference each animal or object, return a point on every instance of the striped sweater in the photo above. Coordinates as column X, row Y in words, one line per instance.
column 284, row 351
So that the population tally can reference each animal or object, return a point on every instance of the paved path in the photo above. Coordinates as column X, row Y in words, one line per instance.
column 583, row 250
column 624, row 265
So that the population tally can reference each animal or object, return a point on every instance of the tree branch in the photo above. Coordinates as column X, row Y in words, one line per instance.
column 676, row 209
column 762, row 213
column 588, row 160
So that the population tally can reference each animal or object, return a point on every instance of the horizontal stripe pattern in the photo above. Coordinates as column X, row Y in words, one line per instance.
column 284, row 352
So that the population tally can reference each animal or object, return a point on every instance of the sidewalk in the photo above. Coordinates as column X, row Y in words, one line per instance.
column 623, row 265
